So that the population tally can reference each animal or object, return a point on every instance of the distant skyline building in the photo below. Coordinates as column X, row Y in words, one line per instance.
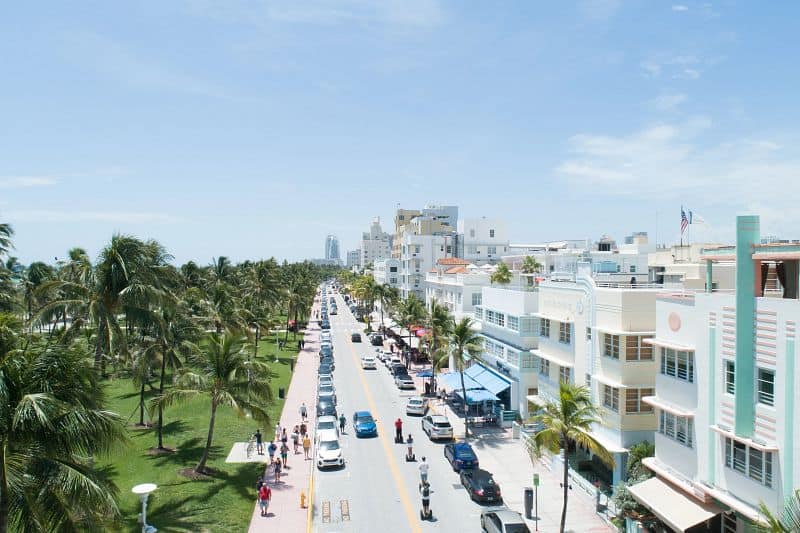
column 353, row 258
column 332, row 248
column 375, row 244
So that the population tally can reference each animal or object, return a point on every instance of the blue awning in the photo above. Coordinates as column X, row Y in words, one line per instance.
column 452, row 381
column 488, row 379
column 478, row 396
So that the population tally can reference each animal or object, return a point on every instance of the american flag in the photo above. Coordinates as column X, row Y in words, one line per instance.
column 684, row 221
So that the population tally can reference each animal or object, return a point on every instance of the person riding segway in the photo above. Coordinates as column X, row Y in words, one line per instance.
column 410, row 457
column 425, row 492
column 398, row 431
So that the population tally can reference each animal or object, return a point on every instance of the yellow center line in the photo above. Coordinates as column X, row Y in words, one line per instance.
column 387, row 448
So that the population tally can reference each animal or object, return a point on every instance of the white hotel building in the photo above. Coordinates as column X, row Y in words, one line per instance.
column 726, row 390
column 456, row 284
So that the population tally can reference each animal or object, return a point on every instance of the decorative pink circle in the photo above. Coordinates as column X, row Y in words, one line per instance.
column 674, row 322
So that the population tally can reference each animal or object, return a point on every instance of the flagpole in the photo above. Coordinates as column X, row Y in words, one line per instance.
column 681, row 227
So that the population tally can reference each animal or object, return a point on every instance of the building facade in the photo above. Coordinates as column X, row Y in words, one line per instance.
column 482, row 240
column 726, row 391
column 594, row 333
column 506, row 319
column 418, row 255
column 354, row 258
column 456, row 284
column 375, row 244
column 387, row 272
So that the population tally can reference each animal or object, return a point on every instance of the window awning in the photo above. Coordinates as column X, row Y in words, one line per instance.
column 553, row 359
column 478, row 395
column 490, row 381
column 671, row 345
column 452, row 381
column 673, row 507
column 536, row 400
column 621, row 332
column 554, row 318
column 656, row 402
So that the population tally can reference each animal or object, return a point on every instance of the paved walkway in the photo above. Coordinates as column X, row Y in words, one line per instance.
column 285, row 513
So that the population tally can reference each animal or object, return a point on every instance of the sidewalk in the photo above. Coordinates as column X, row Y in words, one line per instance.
column 285, row 513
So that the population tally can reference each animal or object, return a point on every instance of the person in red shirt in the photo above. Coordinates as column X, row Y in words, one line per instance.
column 398, row 430
column 264, row 497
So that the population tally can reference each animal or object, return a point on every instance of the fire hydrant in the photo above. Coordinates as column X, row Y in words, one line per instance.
column 302, row 499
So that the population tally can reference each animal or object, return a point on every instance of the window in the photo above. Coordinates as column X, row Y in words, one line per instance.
column 677, row 364
column 564, row 374
column 633, row 269
column 749, row 461
column 544, row 367
column 564, row 332
column 392, row 269
column 730, row 376
column 588, row 380
column 491, row 233
column 611, row 346
column 766, row 386
column 528, row 360
column 634, row 403
column 588, row 334
column 677, row 428
column 493, row 348
column 611, row 398
column 472, row 249
column 513, row 323
column 544, row 327
column 492, row 250
column 512, row 356
column 478, row 313
column 637, row 350
column 476, row 298
column 472, row 233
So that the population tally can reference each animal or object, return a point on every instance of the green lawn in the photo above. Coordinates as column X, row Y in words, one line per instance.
column 223, row 502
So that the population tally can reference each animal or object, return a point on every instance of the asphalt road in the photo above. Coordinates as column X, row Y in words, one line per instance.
column 377, row 490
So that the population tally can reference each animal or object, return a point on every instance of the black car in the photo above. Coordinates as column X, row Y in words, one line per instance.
column 355, row 337
column 325, row 369
column 377, row 340
column 480, row 485
column 326, row 407
column 398, row 369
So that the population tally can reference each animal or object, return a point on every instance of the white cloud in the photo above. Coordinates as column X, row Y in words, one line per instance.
column 23, row 182
column 599, row 9
column 680, row 7
column 679, row 161
column 688, row 67
column 668, row 101
column 47, row 215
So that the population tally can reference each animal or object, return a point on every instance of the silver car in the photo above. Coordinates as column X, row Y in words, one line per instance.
column 502, row 520
column 416, row 405
column 437, row 427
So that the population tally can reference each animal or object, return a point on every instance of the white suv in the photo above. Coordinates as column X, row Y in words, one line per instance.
column 437, row 427
column 368, row 361
column 329, row 453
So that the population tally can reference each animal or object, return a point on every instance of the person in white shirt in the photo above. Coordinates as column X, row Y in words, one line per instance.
column 423, row 471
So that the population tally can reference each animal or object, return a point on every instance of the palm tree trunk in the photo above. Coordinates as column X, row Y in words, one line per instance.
column 466, row 413
column 141, row 405
column 286, row 334
column 3, row 490
column 201, row 466
column 566, row 486
column 98, row 347
column 161, row 407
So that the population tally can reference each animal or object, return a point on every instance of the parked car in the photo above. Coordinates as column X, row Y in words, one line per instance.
column 364, row 424
column 327, row 393
column 404, row 381
column 460, row 455
column 325, row 379
column 398, row 369
column 327, row 426
column 395, row 360
column 502, row 520
column 326, row 407
column 355, row 337
column 437, row 427
column 334, row 311
column 368, row 362
column 325, row 336
column 377, row 340
column 416, row 405
column 481, row 486
column 328, row 360
column 325, row 369
column 326, row 324
column 329, row 453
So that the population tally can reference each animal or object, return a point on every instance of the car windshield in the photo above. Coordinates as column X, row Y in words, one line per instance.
column 364, row 420
column 326, row 425
column 329, row 445
column 466, row 453
column 517, row 528
column 415, row 403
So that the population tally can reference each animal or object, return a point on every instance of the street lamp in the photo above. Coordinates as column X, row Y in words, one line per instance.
column 143, row 491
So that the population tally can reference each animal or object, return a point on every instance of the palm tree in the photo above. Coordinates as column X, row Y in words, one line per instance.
column 411, row 312
column 439, row 324
column 52, row 424
column 501, row 275
column 465, row 346
column 530, row 266
column 386, row 295
column 7, row 300
column 569, row 419
column 227, row 378
column 788, row 521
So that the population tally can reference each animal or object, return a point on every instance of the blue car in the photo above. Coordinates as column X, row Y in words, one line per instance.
column 364, row 425
column 460, row 455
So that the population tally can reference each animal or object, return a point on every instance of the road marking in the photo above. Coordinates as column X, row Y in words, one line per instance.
column 393, row 469
column 344, row 507
column 326, row 512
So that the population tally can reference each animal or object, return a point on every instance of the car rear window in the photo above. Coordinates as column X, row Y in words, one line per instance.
column 517, row 528
column 442, row 424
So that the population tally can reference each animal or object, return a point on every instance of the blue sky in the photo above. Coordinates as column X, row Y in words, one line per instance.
column 253, row 128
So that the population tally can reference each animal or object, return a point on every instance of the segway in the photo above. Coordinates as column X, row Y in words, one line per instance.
column 411, row 457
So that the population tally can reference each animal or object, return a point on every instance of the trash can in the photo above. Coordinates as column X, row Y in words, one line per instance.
column 528, row 502
column 281, row 393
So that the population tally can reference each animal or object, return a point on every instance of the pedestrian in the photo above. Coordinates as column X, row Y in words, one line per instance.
column 277, row 466
column 284, row 453
column 423, row 471
column 307, row 445
column 277, row 431
column 303, row 429
column 410, row 444
column 425, row 492
column 304, row 412
column 296, row 439
column 259, row 482
column 398, row 430
column 271, row 449
column 259, row 444
column 342, row 422
column 284, row 436
column 264, row 497
column 299, row 345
